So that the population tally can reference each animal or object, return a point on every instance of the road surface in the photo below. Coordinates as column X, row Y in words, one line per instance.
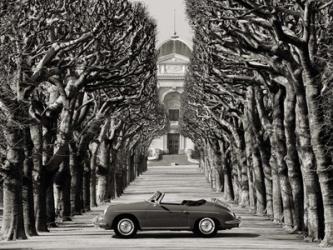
column 180, row 182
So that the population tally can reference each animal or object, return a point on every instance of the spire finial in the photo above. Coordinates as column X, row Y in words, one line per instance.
column 174, row 22
column 174, row 25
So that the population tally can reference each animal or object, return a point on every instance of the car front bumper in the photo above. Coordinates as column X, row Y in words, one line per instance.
column 232, row 223
column 100, row 222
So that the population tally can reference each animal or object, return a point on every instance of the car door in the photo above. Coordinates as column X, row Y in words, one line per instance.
column 165, row 216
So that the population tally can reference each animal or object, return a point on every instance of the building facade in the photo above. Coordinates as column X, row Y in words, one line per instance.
column 173, row 59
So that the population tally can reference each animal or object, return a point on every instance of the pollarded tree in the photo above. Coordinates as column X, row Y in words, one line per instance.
column 225, row 62
column 50, row 65
column 110, row 64
column 286, row 51
column 33, row 35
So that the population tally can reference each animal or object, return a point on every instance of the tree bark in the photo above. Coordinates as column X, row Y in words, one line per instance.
column 227, row 175
column 62, row 187
column 265, row 148
column 47, row 175
column 292, row 160
column 102, row 172
column 308, row 164
column 277, row 200
column 259, row 182
column 217, row 164
column 94, row 149
column 242, row 161
column 12, row 223
column 323, row 158
column 254, row 129
column 86, row 185
column 50, row 206
column 39, row 178
column 248, row 150
column 76, row 172
column 280, row 153
column 93, row 167
column 27, row 192
column 111, row 179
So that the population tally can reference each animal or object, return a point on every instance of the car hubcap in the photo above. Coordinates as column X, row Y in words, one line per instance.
column 206, row 226
column 126, row 226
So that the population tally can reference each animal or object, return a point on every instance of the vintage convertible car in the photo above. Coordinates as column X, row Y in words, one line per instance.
column 202, row 217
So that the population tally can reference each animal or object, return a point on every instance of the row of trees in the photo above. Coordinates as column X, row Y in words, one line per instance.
column 258, row 105
column 78, row 106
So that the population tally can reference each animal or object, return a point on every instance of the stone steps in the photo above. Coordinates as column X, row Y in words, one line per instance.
column 168, row 160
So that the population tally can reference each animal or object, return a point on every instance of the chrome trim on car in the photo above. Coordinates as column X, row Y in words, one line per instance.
column 165, row 228
column 203, row 212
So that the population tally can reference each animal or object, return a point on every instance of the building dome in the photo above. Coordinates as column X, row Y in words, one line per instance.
column 174, row 46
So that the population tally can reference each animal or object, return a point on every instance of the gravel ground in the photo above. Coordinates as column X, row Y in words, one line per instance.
column 180, row 182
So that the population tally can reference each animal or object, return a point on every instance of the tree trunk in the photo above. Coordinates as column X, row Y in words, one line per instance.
column 93, row 166
column 227, row 174
column 48, row 174
column 137, row 161
column 217, row 165
column 308, row 163
column 211, row 160
column 255, row 131
column 102, row 172
column 86, row 186
column 292, row 160
column 12, row 223
column 39, row 177
column 244, row 199
column 251, row 190
column 128, row 168
column 28, row 193
column 280, row 153
column 62, row 187
column 323, row 158
column 259, row 182
column 264, row 150
column 50, row 206
column 76, row 172
column 94, row 149
column 242, row 161
column 277, row 200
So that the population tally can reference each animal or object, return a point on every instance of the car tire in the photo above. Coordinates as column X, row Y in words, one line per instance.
column 126, row 227
column 205, row 227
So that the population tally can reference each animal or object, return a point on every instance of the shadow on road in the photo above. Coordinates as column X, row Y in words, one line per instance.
column 190, row 235
column 240, row 235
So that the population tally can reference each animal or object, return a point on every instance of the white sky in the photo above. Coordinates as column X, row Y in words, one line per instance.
column 163, row 12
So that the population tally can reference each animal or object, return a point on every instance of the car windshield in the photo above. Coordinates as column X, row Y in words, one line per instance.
column 155, row 196
column 218, row 201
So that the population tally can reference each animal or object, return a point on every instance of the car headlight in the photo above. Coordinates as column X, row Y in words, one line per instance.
column 232, row 214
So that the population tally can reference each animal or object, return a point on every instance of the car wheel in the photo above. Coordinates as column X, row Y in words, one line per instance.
column 206, row 227
column 125, row 227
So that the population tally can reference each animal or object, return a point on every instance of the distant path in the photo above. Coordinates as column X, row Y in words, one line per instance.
column 179, row 182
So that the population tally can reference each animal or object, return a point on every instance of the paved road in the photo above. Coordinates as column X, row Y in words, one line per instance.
column 180, row 182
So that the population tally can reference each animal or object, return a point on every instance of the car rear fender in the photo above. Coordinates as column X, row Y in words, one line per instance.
column 120, row 216
column 196, row 221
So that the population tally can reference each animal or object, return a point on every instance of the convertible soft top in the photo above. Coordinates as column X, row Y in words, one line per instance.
column 193, row 203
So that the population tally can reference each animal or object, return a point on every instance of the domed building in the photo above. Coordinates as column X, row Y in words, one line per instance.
column 174, row 56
